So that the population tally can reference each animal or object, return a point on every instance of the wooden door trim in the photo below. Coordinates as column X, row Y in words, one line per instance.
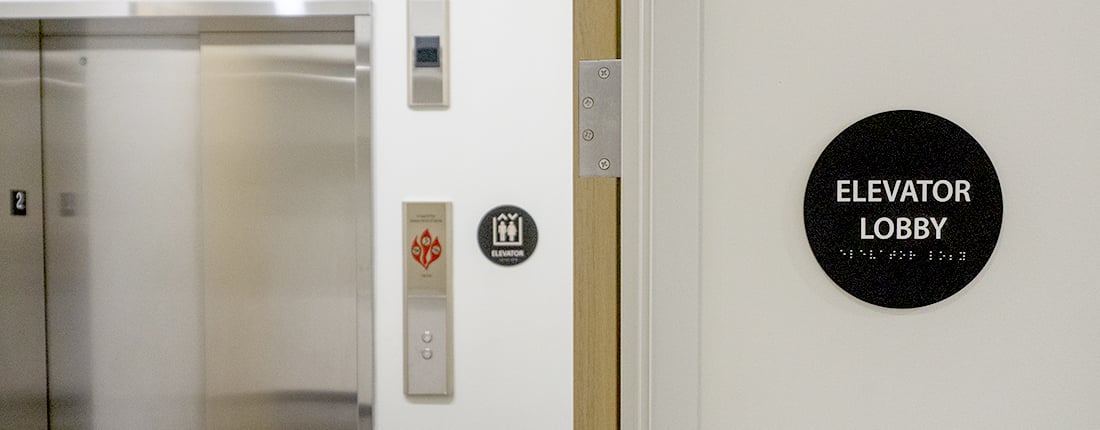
column 595, row 246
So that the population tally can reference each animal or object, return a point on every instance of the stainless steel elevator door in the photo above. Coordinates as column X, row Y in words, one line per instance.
column 279, row 229
column 201, row 230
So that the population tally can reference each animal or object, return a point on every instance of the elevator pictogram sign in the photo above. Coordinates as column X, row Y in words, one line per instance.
column 507, row 235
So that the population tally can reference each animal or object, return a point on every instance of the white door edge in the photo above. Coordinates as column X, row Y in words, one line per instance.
column 661, row 201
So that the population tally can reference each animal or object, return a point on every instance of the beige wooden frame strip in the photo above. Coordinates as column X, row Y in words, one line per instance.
column 595, row 246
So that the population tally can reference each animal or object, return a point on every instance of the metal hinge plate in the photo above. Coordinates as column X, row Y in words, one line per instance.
column 601, row 118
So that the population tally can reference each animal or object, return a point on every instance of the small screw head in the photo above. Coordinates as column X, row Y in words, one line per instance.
column 588, row 102
column 83, row 61
column 588, row 134
column 605, row 164
column 604, row 72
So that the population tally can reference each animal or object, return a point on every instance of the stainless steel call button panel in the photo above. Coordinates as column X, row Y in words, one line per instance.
column 428, row 248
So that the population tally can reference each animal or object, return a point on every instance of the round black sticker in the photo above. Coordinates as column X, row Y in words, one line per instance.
column 903, row 209
column 507, row 235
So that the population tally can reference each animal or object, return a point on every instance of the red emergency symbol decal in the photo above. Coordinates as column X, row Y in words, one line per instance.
column 426, row 249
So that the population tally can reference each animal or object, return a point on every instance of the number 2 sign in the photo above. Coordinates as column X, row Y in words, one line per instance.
column 19, row 203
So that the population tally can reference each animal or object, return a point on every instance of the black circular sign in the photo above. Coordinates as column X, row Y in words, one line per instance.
column 903, row 209
column 507, row 235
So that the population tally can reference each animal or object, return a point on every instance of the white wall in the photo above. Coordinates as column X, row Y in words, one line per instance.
column 782, row 345
column 506, row 139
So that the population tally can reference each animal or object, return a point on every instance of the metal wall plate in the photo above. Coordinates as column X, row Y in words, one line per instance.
column 427, row 255
column 429, row 56
column 600, row 118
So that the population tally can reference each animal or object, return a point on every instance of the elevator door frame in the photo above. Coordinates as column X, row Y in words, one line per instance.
column 138, row 18
column 22, row 302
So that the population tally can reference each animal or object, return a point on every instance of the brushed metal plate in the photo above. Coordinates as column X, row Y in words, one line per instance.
column 600, row 130
column 429, row 56
column 427, row 255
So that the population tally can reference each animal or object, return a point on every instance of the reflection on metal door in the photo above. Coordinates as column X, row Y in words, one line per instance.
column 123, row 256
column 203, row 213
column 278, row 206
